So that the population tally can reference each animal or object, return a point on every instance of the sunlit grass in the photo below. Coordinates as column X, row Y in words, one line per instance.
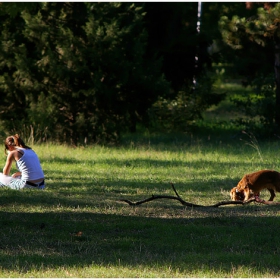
column 78, row 227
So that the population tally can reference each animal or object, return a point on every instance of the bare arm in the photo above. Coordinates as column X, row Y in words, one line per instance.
column 8, row 165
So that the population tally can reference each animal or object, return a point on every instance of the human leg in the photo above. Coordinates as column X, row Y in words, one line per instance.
column 10, row 182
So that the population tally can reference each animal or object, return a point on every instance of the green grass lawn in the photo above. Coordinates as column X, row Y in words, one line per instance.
column 78, row 227
column 226, row 111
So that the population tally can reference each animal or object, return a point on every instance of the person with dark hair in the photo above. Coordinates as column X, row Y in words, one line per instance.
column 30, row 173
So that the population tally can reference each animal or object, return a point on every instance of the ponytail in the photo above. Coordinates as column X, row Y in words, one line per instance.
column 15, row 141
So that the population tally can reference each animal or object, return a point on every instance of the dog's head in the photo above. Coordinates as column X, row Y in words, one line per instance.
column 235, row 194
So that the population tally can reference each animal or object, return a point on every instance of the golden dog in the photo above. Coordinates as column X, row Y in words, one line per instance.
column 251, row 185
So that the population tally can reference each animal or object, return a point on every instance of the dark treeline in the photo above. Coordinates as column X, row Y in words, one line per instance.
column 87, row 70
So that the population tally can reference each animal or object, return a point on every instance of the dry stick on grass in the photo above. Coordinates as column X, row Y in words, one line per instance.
column 185, row 203
column 266, row 201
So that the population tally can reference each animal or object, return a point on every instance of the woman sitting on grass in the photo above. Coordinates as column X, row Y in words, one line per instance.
column 30, row 174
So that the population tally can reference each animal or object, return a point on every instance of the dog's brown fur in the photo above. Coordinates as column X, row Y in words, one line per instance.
column 251, row 185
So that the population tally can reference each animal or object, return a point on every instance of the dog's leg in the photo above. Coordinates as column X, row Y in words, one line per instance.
column 246, row 193
column 272, row 194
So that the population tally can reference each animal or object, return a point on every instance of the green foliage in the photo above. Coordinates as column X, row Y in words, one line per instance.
column 87, row 72
column 262, row 103
column 85, row 61
column 180, row 113
column 259, row 36
column 14, row 8
column 253, row 55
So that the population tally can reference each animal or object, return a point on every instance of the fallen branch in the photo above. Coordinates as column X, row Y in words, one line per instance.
column 257, row 198
column 185, row 203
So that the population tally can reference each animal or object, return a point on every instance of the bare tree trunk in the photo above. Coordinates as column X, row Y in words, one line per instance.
column 277, row 80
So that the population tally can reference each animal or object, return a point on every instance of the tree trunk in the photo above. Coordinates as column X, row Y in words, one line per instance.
column 277, row 80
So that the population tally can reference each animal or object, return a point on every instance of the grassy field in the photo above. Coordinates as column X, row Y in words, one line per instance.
column 78, row 227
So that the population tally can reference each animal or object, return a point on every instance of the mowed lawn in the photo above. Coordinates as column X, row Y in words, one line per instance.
column 78, row 227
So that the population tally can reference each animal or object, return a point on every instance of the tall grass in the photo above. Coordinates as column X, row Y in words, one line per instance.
column 78, row 227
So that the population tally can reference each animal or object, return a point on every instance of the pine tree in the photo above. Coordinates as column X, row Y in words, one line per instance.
column 84, row 68
column 259, row 35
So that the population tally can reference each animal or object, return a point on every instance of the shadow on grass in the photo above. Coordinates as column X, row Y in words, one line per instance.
column 151, row 162
column 81, row 194
column 50, row 240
